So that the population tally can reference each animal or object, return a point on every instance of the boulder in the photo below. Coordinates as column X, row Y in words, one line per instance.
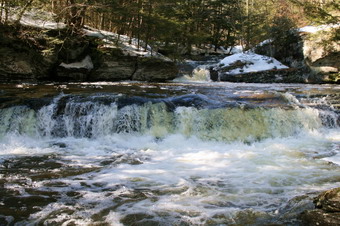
column 113, row 66
column 155, row 70
column 254, row 68
column 327, row 210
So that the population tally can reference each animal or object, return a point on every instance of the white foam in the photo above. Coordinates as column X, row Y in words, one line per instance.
column 199, row 179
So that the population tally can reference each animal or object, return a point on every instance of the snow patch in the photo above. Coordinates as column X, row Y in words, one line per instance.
column 86, row 63
column 40, row 19
column 232, row 49
column 314, row 29
column 129, row 46
column 250, row 62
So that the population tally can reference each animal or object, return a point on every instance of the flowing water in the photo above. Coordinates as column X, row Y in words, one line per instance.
column 165, row 154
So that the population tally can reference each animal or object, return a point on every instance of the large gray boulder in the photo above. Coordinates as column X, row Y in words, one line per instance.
column 113, row 65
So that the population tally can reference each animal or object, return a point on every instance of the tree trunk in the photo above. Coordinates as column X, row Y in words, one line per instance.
column 2, row 10
column 75, row 18
column 23, row 11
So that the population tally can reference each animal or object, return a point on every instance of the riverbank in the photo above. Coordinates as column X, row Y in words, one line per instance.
column 36, row 55
column 40, row 54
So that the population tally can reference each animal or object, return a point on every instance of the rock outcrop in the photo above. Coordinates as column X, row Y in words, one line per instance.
column 314, row 53
column 113, row 65
column 19, row 61
column 321, row 51
column 327, row 212
column 269, row 76
column 61, row 57
column 254, row 68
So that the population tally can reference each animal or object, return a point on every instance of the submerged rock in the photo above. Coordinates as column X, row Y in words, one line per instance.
column 327, row 210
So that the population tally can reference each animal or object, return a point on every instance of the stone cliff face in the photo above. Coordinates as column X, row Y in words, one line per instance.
column 42, row 55
column 316, row 54
column 19, row 61
column 322, row 54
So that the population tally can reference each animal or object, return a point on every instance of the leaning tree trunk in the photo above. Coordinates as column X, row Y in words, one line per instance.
column 75, row 15
column 28, row 4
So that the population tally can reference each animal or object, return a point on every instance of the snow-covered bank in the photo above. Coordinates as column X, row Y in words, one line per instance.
column 129, row 46
column 251, row 65
column 45, row 50
column 40, row 19
column 248, row 62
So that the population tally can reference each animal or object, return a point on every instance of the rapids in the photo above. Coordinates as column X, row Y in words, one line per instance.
column 165, row 154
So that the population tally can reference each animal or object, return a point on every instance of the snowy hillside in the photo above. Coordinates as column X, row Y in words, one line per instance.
column 129, row 46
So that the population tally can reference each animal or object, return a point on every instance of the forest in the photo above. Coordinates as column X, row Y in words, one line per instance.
column 178, row 25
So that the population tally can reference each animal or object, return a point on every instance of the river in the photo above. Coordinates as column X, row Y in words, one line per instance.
column 182, row 153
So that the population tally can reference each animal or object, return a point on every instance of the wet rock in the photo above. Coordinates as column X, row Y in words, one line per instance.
column 21, row 207
column 213, row 74
column 60, row 145
column 329, row 201
column 319, row 217
column 327, row 212
column 270, row 76
column 136, row 219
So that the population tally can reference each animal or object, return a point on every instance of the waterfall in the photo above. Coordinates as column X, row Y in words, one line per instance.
column 96, row 116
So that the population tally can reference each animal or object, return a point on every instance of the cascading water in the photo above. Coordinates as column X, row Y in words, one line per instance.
column 167, row 154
